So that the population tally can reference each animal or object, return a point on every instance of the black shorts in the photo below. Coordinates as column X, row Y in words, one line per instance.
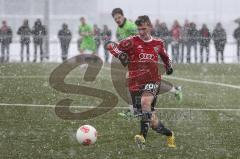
column 152, row 87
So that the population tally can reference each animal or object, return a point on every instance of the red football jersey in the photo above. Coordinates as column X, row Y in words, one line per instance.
column 143, row 59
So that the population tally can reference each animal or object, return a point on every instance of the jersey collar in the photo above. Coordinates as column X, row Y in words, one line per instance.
column 146, row 41
column 120, row 26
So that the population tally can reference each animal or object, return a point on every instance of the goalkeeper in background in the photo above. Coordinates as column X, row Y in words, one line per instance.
column 125, row 29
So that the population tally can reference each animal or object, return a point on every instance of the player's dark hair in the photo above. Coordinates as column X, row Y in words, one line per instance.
column 143, row 19
column 82, row 18
column 117, row 11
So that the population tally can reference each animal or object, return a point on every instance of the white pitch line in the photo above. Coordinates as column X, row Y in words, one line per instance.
column 168, row 77
column 19, row 77
column 88, row 107
column 203, row 82
column 198, row 81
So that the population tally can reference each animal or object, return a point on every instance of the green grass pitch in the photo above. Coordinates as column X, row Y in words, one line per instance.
column 206, row 123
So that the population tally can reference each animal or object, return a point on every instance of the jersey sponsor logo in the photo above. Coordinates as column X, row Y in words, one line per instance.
column 145, row 56
column 140, row 47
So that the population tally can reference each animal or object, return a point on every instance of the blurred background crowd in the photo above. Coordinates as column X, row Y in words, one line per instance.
column 187, row 43
column 48, row 30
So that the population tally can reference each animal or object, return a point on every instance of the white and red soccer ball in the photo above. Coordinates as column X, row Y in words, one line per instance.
column 86, row 135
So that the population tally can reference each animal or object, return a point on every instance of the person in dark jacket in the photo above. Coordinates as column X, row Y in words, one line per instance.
column 39, row 32
column 25, row 33
column 220, row 38
column 184, row 40
column 97, row 36
column 161, row 31
column 236, row 36
column 106, row 36
column 65, row 36
column 204, row 41
column 192, row 42
column 164, row 34
column 5, row 39
column 156, row 29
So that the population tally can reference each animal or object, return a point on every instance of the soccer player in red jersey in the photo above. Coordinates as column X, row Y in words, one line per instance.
column 125, row 29
column 140, row 53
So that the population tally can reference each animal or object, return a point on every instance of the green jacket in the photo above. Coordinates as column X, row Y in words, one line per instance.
column 128, row 29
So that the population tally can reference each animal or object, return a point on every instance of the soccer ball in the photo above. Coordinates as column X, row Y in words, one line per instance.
column 86, row 135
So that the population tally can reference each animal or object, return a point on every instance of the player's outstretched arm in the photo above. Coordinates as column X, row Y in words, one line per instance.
column 113, row 48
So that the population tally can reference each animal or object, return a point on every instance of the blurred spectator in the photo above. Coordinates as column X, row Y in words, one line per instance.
column 97, row 36
column 65, row 36
column 87, row 39
column 106, row 36
column 204, row 40
column 184, row 39
column 156, row 29
column 39, row 32
column 165, row 34
column 5, row 39
column 25, row 33
column 236, row 36
column 161, row 31
column 193, row 36
column 175, row 33
column 220, row 38
column 79, row 41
